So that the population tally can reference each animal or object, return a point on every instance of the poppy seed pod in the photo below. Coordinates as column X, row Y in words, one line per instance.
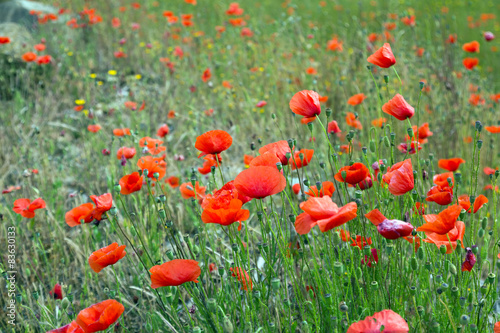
column 372, row 146
column 338, row 268
column 479, row 126
column 479, row 144
column 343, row 307
column 386, row 79
column 491, row 277
column 374, row 285
column 275, row 284
column 413, row 290
column 227, row 326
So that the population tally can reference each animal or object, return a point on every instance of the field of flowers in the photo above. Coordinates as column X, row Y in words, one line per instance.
column 262, row 166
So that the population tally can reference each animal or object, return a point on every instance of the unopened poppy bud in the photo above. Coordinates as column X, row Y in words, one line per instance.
column 338, row 268
column 310, row 126
column 252, row 145
column 364, row 150
column 379, row 177
column 442, row 249
column 328, row 299
column 479, row 144
column 497, row 173
column 117, row 188
column 328, row 112
column 196, row 329
column 156, row 175
column 170, row 254
column 259, row 216
column 475, row 249
column 372, row 146
column 478, row 126
column 359, row 272
column 386, row 79
column 420, row 253
column 462, row 301
column 458, row 178
column 162, row 214
column 113, row 211
column 279, row 166
column 491, row 277
column 374, row 285
column 343, row 307
column 369, row 67
column 431, row 156
column 409, row 130
column 162, row 198
column 421, row 84
column 288, row 155
column 65, row 303
column 480, row 233
column 420, row 310
column 386, row 141
column 413, row 263
column 227, row 326
column 367, row 250
column 275, row 284
column 343, row 174
column 273, row 115
column 473, row 328
column 464, row 319
column 428, row 266
column 454, row 291
column 452, row 269
column 145, row 172
column 413, row 290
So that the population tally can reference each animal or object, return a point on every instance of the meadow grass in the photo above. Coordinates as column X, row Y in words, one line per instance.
column 316, row 282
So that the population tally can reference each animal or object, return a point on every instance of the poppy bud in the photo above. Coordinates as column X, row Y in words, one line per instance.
column 421, row 84
column 413, row 263
column 288, row 155
column 386, row 141
column 413, row 290
column 170, row 254
column 196, row 329
column 497, row 173
column 369, row 67
column 431, row 156
column 367, row 250
column 420, row 310
column 363, row 149
column 306, row 182
column 374, row 285
column 156, row 175
column 234, row 246
column 279, row 166
column 252, row 146
column 379, row 177
column 428, row 266
column 338, row 268
column 329, row 299
column 458, row 178
column 117, row 188
column 409, row 130
column 452, row 269
column 372, row 146
column 358, row 194
column 475, row 249
column 343, row 174
column 464, row 319
column 386, row 79
column 479, row 144
column 473, row 328
column 491, row 277
column 259, row 216
column 461, row 301
column 310, row 126
column 65, row 303
column 162, row 214
column 442, row 249
column 336, row 238
column 479, row 126
column 145, row 172
column 273, row 116
column 162, row 198
column 480, row 233
column 343, row 307
column 414, row 195
column 275, row 284
column 227, row 326
column 221, row 270
column 421, row 253
column 113, row 211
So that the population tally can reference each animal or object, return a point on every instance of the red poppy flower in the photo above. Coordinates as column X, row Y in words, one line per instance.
column 360, row 241
column 206, row 75
column 390, row 229
column 335, row 44
column 409, row 20
column 457, row 233
column 213, row 142
column 56, row 292
column 131, row 183
column 403, row 147
column 306, row 103
column 379, row 122
column 400, row 177
column 174, row 273
column 26, row 208
column 442, row 223
column 441, row 195
column 296, row 188
column 442, row 179
column 279, row 148
column 470, row 63
column 100, row 316
column 333, row 127
column 224, row 207
column 324, row 213
column 261, row 104
column 353, row 121
column 102, row 203
column 243, row 277
column 247, row 159
column 470, row 261
column 472, row 47
column 153, row 165
column 388, row 319
column 398, row 108
column 94, row 128
column 327, row 189
column 125, row 152
column 173, row 181
column 297, row 162
column 73, row 327
column 366, row 184
column 451, row 164
column 493, row 129
column 496, row 328
column 260, row 181
column 29, row 56
column 154, row 145
column 163, row 131
column 489, row 171
column 187, row 191
column 121, row 131
column 464, row 202
column 106, row 256
column 383, row 57
column 353, row 174
column 356, row 99
column 78, row 214
column 422, row 133
column 4, row 40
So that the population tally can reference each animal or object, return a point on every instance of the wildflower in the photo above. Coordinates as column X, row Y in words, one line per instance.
column 388, row 319
column 280, row 149
column 493, row 129
column 260, row 181
column 94, row 128
column 398, row 108
column 472, row 47
column 356, row 99
column 173, row 181
column 56, row 292
column 451, row 164
column 29, row 57
column 297, row 162
column 106, row 256
column 390, row 229
column 153, row 165
column 213, row 142
column 353, row 174
column 400, row 177
column 210, row 162
column 224, row 207
column 174, row 273
column 78, row 214
column 26, row 208
column 261, row 104
column 163, row 131
column 243, row 277
column 100, row 316
column 72, row 327
column 327, row 189
column 442, row 179
column 333, row 127
column 351, row 120
column 464, row 202
column 306, row 103
column 442, row 223
column 470, row 63
column 121, row 131
column 383, row 57
column 206, row 75
column 440, row 195
column 125, row 152
column 131, row 183
column 324, row 213
column 187, row 191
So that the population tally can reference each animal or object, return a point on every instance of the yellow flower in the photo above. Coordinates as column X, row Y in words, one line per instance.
column 93, row 75
column 79, row 101
column 138, row 76
column 112, row 72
